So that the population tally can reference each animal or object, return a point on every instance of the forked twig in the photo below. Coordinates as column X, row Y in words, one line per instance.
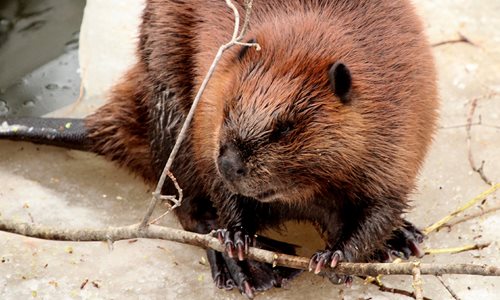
column 236, row 38
column 483, row 212
column 468, row 128
column 462, row 208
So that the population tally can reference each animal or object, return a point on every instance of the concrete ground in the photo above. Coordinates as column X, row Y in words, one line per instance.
column 57, row 187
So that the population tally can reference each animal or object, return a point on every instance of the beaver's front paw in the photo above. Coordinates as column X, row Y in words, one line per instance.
column 330, row 258
column 235, row 240
column 406, row 241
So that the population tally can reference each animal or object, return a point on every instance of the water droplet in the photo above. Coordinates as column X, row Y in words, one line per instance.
column 52, row 86
column 29, row 103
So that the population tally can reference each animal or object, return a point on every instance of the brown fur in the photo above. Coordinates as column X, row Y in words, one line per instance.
column 347, row 167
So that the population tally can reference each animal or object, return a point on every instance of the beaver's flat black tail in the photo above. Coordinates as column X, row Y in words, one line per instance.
column 61, row 132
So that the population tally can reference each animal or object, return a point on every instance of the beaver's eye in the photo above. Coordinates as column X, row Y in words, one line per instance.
column 282, row 129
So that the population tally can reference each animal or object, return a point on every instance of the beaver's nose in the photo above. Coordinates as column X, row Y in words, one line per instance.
column 231, row 165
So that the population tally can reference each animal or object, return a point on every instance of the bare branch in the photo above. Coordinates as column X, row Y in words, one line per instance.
column 456, row 249
column 183, row 132
column 483, row 212
column 462, row 208
column 417, row 281
column 246, row 23
column 236, row 14
column 209, row 242
column 448, row 288
column 461, row 39
column 170, row 198
column 384, row 288
column 377, row 281
column 479, row 170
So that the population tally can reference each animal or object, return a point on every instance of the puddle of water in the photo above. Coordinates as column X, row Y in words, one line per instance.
column 53, row 85
column 39, row 50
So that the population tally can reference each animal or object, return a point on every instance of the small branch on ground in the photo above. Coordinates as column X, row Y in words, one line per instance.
column 456, row 249
column 417, row 281
column 209, row 242
column 461, row 125
column 483, row 212
column 461, row 39
column 462, row 208
column 479, row 170
column 478, row 123
column 386, row 289
column 448, row 288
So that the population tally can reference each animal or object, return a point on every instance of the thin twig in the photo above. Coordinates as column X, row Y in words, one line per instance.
column 246, row 23
column 456, row 250
column 462, row 39
column 481, row 213
column 170, row 198
column 448, row 288
column 386, row 289
column 479, row 123
column 377, row 281
column 417, row 281
column 479, row 170
column 209, row 242
column 462, row 208
column 183, row 132
column 461, row 125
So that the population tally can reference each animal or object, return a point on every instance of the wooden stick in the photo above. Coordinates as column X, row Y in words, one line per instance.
column 417, row 281
column 208, row 241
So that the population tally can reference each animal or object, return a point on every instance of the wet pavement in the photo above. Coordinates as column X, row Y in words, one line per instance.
column 58, row 187
column 38, row 55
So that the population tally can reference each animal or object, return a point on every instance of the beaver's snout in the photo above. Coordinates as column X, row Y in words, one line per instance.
column 231, row 165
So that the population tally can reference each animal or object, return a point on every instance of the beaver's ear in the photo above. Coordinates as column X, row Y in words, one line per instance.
column 341, row 81
column 244, row 49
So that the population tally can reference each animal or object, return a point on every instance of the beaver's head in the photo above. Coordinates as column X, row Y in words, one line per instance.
column 319, row 109
column 282, row 124
column 289, row 129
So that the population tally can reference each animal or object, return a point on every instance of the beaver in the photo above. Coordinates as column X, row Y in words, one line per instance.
column 328, row 123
